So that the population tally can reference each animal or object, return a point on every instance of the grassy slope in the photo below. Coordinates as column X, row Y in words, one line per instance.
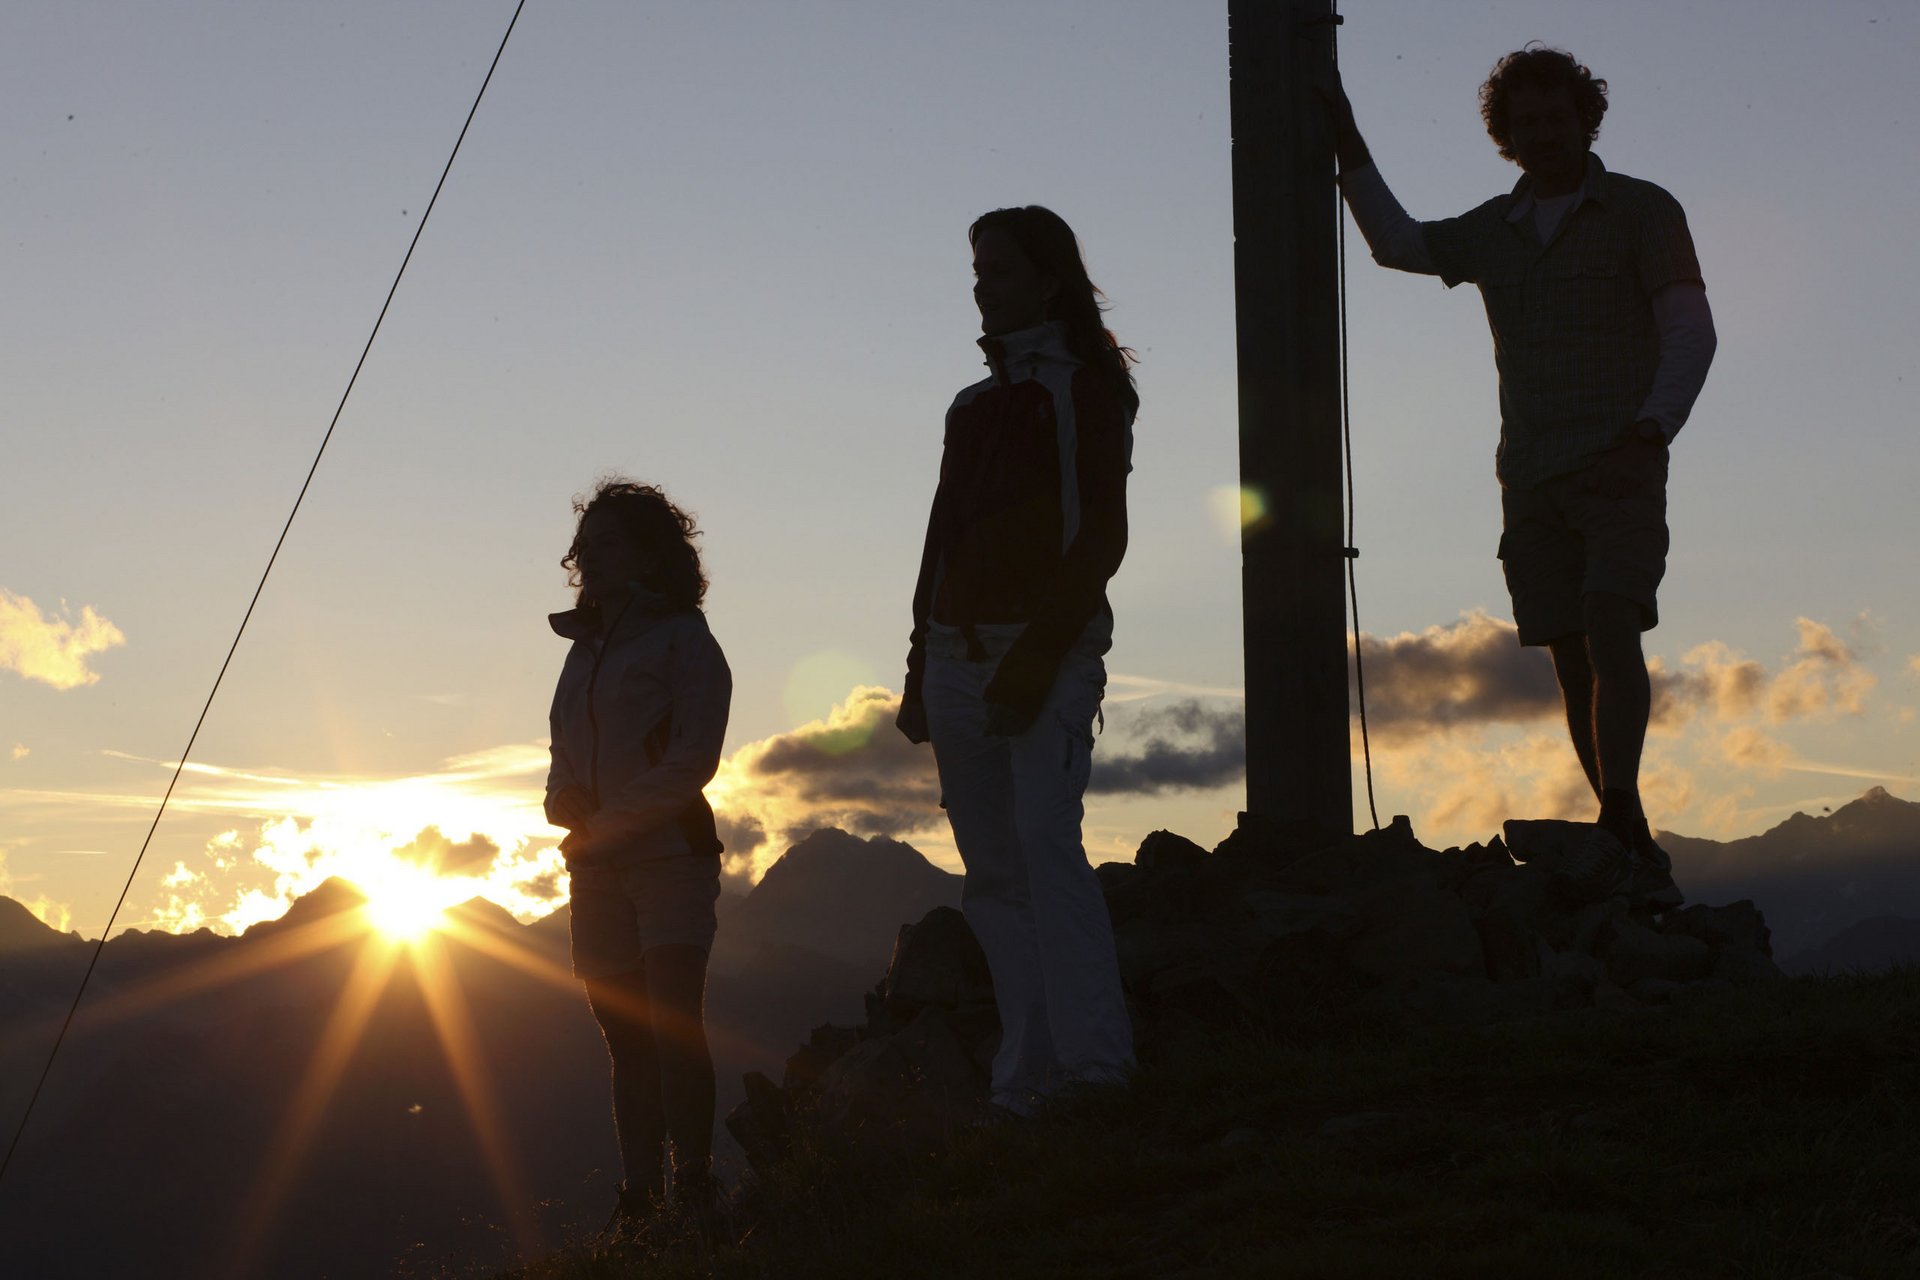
column 1766, row 1133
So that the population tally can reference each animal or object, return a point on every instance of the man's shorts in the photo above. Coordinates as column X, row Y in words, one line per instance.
column 1603, row 528
column 619, row 913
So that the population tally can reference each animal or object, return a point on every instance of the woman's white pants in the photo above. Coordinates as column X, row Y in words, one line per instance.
column 1030, row 896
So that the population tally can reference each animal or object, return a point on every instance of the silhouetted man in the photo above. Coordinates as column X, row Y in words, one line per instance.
column 1602, row 337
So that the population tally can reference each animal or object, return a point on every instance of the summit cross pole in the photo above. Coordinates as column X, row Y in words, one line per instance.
column 1293, row 547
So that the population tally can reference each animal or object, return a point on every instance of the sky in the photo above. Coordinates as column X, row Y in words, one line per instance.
column 722, row 247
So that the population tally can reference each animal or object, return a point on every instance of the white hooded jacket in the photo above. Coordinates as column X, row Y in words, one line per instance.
column 638, row 720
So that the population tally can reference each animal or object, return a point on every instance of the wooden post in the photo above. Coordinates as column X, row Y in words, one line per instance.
column 1285, row 211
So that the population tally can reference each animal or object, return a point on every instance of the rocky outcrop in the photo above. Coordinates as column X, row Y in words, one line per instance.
column 1377, row 927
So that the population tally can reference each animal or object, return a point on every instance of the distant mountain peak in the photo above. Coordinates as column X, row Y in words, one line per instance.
column 831, row 849
column 484, row 913
column 21, row 930
column 840, row 895
column 331, row 897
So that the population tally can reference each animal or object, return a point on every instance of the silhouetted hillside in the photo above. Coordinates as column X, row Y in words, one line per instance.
column 190, row 1051
column 840, row 896
column 1882, row 942
column 1813, row 876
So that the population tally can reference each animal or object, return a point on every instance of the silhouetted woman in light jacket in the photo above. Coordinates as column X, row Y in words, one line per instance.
column 1010, row 622
column 638, row 722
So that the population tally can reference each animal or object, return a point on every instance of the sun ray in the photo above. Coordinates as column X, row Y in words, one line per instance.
column 329, row 1061
column 453, row 1023
column 508, row 952
column 235, row 962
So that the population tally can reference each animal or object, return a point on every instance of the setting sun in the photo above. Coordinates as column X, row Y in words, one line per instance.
column 405, row 903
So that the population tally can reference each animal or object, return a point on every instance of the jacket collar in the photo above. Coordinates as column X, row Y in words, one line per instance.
column 583, row 623
column 1026, row 348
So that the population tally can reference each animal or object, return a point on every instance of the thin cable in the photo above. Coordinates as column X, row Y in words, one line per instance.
column 180, row 767
column 1352, row 548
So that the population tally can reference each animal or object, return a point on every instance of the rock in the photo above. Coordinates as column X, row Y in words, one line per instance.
column 1635, row 953
column 1587, row 928
column 914, row 1086
column 1586, row 862
column 1457, row 1000
column 1657, row 990
column 1508, row 905
column 1414, row 928
column 1208, row 993
column 1149, row 947
column 865, row 1087
column 1745, row 968
column 810, row 1061
column 1737, row 926
column 936, row 963
column 1574, row 976
column 1117, row 877
column 1276, row 916
column 761, row 1124
column 1163, row 849
column 1608, row 996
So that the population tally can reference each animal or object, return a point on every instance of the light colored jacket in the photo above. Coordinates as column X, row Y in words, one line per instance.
column 639, row 719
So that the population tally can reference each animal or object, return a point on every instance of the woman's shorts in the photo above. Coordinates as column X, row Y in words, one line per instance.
column 619, row 913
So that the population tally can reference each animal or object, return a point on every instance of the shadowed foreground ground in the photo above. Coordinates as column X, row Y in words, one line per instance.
column 1770, row 1131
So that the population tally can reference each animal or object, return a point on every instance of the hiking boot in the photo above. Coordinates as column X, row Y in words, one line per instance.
column 1651, row 885
column 1593, row 864
column 633, row 1208
column 1652, row 889
column 695, row 1192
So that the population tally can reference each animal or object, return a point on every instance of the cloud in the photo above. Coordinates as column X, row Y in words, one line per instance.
column 1184, row 746
column 1721, row 680
column 1823, row 679
column 852, row 770
column 51, row 649
column 1468, row 787
column 1750, row 747
column 1913, row 666
column 1473, row 674
column 1469, row 673
column 432, row 851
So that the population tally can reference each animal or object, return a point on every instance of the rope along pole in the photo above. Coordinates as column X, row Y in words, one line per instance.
column 6, row 1162
column 1353, row 549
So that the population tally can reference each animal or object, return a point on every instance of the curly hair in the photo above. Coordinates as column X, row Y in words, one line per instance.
column 1539, row 67
column 654, row 521
column 1049, row 244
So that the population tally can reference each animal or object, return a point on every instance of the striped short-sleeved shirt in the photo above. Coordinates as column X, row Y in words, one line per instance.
column 1572, row 319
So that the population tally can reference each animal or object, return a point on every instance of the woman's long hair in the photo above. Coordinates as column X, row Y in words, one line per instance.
column 654, row 522
column 1049, row 244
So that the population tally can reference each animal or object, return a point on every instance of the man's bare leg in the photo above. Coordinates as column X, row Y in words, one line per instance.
column 1575, row 673
column 1622, row 697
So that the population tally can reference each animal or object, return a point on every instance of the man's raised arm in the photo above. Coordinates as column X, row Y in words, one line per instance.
column 1394, row 237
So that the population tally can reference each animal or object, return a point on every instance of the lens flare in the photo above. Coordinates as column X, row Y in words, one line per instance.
column 1238, row 510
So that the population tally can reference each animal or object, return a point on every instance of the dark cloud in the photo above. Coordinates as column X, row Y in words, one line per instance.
column 853, row 771
column 1183, row 746
column 544, row 887
column 1474, row 672
column 741, row 833
column 433, row 850
column 1470, row 672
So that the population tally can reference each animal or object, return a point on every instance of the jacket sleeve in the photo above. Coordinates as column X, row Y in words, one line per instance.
column 925, row 585
column 702, row 691
column 560, row 772
column 1101, row 463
